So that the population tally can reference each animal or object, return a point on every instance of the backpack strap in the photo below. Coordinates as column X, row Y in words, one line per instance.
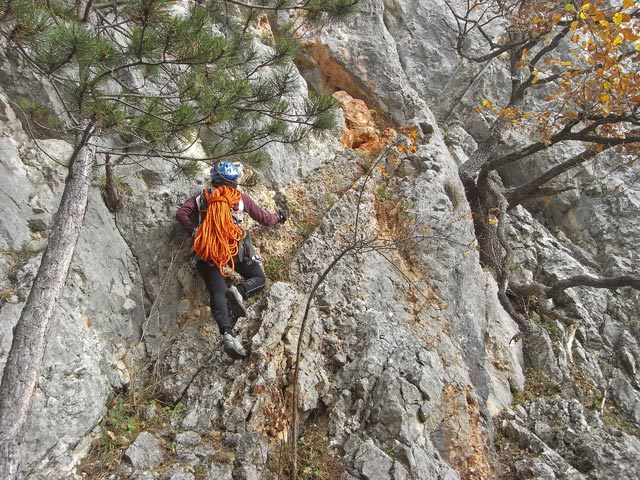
column 201, row 203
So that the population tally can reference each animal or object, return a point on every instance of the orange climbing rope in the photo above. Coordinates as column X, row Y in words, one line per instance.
column 216, row 240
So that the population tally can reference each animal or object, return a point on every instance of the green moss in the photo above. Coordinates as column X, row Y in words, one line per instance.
column 274, row 269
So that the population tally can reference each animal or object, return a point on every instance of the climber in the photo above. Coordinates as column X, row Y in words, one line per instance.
column 221, row 245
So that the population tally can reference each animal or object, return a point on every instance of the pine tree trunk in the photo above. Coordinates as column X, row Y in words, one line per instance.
column 110, row 193
column 21, row 371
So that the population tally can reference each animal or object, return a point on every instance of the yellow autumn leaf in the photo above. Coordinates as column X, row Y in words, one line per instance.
column 492, row 221
column 604, row 98
column 627, row 3
column 585, row 7
column 535, row 78
column 617, row 41
column 566, row 63
column 638, row 46
column 617, row 18
column 606, row 85
column 582, row 15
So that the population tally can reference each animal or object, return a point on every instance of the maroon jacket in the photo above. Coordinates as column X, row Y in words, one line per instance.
column 187, row 214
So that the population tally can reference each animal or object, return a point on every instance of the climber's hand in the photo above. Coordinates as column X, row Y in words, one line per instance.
column 281, row 203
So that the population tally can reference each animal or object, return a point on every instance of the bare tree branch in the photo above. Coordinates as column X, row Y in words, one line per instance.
column 517, row 195
column 619, row 281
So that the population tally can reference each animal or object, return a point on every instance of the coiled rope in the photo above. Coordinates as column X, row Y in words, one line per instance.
column 217, row 237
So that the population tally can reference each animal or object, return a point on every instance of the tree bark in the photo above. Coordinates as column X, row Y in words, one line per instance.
column 110, row 193
column 21, row 371
column 619, row 281
column 486, row 149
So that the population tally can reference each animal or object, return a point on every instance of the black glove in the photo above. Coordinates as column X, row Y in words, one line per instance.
column 281, row 203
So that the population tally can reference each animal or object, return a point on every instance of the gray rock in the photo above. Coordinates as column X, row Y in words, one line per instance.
column 219, row 472
column 188, row 438
column 178, row 472
column 567, row 445
column 402, row 346
column 627, row 398
column 372, row 463
column 14, row 192
column 146, row 452
column 144, row 475
column 250, row 448
column 540, row 355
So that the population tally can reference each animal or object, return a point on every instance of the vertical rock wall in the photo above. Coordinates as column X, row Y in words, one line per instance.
column 97, row 319
column 407, row 355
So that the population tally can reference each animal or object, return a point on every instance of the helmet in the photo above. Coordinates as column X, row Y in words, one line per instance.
column 224, row 171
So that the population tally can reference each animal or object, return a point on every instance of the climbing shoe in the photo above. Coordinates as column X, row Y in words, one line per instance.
column 233, row 347
column 235, row 303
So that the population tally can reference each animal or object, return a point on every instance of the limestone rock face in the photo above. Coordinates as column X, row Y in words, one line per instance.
column 397, row 56
column 581, row 448
column 84, row 360
column 406, row 355
column 361, row 132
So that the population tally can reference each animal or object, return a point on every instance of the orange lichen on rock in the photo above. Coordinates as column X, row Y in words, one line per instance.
column 361, row 131
column 264, row 26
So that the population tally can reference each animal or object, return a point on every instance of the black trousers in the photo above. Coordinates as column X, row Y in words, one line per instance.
column 254, row 281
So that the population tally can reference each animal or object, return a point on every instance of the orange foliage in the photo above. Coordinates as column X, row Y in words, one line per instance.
column 595, row 81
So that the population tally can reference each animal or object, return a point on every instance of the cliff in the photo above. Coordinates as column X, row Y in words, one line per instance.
column 409, row 366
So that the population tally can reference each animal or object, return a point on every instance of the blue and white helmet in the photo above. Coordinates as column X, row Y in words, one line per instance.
column 224, row 171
